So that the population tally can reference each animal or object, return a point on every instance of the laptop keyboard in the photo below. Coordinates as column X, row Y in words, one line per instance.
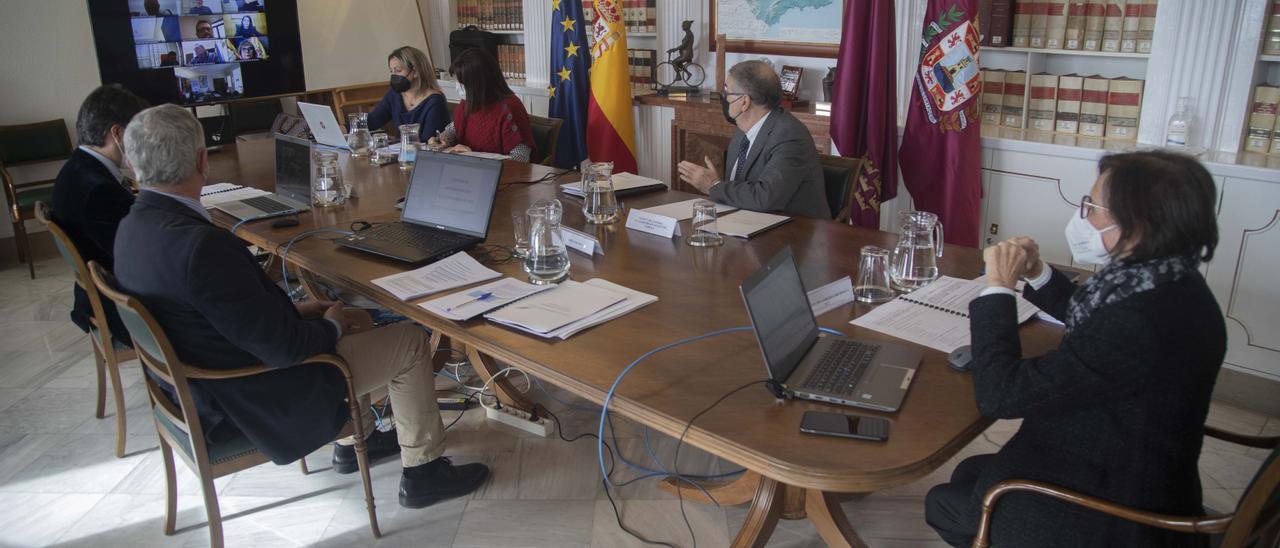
column 841, row 367
column 399, row 233
column 267, row 205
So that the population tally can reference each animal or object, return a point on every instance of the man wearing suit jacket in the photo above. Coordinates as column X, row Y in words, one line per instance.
column 772, row 162
column 90, row 195
column 221, row 311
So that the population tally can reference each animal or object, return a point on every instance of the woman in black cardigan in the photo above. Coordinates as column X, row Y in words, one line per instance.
column 1117, row 411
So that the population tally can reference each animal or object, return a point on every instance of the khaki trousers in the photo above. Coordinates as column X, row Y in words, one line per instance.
column 399, row 357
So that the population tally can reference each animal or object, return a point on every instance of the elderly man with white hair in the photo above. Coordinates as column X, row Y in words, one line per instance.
column 221, row 311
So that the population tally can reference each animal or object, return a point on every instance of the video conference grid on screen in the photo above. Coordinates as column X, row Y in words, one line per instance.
column 202, row 41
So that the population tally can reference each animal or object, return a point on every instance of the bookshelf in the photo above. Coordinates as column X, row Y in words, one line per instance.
column 1260, row 145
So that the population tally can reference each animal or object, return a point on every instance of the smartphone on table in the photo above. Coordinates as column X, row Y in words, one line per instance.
column 858, row 427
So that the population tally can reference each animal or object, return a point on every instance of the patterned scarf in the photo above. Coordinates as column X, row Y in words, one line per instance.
column 1120, row 280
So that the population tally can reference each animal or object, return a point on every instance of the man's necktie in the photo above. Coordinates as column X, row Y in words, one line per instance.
column 740, row 168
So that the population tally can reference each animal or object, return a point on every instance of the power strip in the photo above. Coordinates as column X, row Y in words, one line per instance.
column 516, row 418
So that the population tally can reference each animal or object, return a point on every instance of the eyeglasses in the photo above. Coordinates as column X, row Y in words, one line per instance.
column 1086, row 202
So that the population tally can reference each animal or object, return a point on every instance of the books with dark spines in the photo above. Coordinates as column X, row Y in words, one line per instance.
column 1015, row 89
column 984, row 22
column 992, row 96
column 1093, row 106
column 1022, row 23
column 1262, row 118
column 1124, row 102
column 1042, row 103
column 1055, row 37
column 1000, row 30
column 1095, row 17
column 1067, row 118
column 1146, row 26
column 1039, row 24
column 1074, row 33
column 1113, row 26
column 1129, row 30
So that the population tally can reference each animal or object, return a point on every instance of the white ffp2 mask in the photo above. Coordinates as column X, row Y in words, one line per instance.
column 1086, row 242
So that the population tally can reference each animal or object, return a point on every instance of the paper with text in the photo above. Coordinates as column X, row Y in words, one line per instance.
column 634, row 299
column 621, row 182
column 831, row 296
column 683, row 211
column 465, row 305
column 456, row 270
column 936, row 315
column 550, row 310
column 658, row 225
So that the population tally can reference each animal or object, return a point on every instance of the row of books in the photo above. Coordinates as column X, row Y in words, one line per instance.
column 1118, row 26
column 1091, row 106
column 511, row 60
column 637, row 15
column 642, row 63
column 491, row 14
column 1271, row 40
column 1264, row 132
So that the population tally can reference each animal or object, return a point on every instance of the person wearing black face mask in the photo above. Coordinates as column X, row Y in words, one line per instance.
column 772, row 162
column 414, row 97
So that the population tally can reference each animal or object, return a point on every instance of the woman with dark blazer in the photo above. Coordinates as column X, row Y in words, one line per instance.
column 1117, row 411
column 490, row 118
column 414, row 97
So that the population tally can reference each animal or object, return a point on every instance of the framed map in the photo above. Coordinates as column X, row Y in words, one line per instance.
column 804, row 28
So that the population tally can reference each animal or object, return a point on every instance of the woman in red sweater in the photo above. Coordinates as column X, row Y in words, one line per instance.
column 490, row 118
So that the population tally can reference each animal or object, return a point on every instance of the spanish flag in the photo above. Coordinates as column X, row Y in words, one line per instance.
column 610, row 129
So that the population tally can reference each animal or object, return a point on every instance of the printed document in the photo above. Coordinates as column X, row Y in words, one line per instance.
column 745, row 224
column 683, row 211
column 622, row 182
column 221, row 193
column 936, row 315
column 548, row 311
column 456, row 270
column 634, row 300
column 465, row 305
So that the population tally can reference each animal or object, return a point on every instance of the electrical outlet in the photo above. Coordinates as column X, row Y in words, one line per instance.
column 516, row 418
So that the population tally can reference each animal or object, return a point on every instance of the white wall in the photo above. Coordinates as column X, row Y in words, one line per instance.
column 49, row 62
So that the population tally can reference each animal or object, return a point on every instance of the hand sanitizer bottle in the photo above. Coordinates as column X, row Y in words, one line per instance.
column 1179, row 125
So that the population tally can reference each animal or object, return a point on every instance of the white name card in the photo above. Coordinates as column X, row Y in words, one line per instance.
column 581, row 242
column 652, row 223
column 831, row 296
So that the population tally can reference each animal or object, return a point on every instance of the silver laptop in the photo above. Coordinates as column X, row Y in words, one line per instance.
column 293, row 184
column 324, row 127
column 805, row 363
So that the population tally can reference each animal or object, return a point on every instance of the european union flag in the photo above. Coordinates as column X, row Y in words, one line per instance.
column 570, row 82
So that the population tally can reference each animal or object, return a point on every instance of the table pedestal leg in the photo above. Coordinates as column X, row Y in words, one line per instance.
column 486, row 368
column 772, row 501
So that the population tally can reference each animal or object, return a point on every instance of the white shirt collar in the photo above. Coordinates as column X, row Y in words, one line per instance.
column 755, row 129
column 189, row 202
column 111, row 166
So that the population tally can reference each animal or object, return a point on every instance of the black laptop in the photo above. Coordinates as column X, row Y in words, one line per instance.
column 446, row 210
column 804, row 363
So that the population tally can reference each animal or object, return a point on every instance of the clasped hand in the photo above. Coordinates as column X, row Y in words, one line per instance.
column 329, row 310
column 1012, row 259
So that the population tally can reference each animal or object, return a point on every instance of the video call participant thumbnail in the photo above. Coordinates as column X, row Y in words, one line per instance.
column 210, row 82
column 249, row 49
column 152, row 56
column 201, row 53
column 202, row 28
column 155, row 7
column 151, row 30
column 201, row 7
column 246, row 25
column 233, row 6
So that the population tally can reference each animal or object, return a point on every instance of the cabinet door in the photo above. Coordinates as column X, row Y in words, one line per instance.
column 1033, row 195
column 1243, row 274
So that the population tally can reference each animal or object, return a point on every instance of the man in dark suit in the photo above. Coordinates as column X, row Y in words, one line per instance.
column 772, row 162
column 90, row 195
column 221, row 311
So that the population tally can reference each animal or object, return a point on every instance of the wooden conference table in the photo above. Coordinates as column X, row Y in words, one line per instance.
column 790, row 475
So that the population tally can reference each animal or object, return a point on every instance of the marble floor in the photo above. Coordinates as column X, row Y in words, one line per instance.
column 61, row 486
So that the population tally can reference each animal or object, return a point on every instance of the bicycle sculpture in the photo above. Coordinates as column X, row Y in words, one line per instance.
column 683, row 70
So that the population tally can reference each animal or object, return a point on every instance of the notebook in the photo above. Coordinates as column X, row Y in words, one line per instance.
column 624, row 184
column 747, row 224
column 936, row 315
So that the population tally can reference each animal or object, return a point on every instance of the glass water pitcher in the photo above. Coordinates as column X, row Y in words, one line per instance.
column 358, row 137
column 547, row 261
column 599, row 203
column 915, row 258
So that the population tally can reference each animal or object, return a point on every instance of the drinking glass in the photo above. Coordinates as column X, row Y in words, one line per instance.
column 599, row 203
column 358, row 138
column 327, row 188
column 704, row 232
column 547, row 261
column 408, row 145
column 378, row 144
column 520, row 225
column 873, row 285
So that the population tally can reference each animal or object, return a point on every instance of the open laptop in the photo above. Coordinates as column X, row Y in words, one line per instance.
column 806, row 364
column 293, row 184
column 446, row 210
column 324, row 127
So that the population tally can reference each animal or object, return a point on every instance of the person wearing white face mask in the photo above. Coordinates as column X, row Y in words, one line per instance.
column 1117, row 411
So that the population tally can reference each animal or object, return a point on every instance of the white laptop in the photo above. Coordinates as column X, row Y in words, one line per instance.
column 324, row 127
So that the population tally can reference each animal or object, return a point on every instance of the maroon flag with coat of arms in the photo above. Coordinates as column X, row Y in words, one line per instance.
column 941, row 147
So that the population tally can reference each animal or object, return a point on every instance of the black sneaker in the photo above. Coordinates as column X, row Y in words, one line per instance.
column 438, row 480
column 379, row 444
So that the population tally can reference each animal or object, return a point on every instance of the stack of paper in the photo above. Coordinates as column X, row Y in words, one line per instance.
column 745, row 224
column 936, row 315
column 683, row 211
column 486, row 155
column 465, row 305
column 221, row 193
column 457, row 270
column 624, row 184
column 570, row 308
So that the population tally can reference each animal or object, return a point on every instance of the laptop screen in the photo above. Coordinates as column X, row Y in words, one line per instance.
column 293, row 168
column 452, row 192
column 780, row 314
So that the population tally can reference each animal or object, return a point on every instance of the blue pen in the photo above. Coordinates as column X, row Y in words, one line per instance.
column 479, row 297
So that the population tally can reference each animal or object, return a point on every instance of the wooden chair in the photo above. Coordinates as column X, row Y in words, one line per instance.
column 357, row 98
column 108, row 351
column 839, row 173
column 546, row 134
column 179, row 426
column 1255, row 522
column 25, row 145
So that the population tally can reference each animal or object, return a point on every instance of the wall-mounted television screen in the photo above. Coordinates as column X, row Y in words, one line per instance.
column 194, row 52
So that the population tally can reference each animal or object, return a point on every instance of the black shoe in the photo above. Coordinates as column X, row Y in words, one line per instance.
column 379, row 444
column 427, row 484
